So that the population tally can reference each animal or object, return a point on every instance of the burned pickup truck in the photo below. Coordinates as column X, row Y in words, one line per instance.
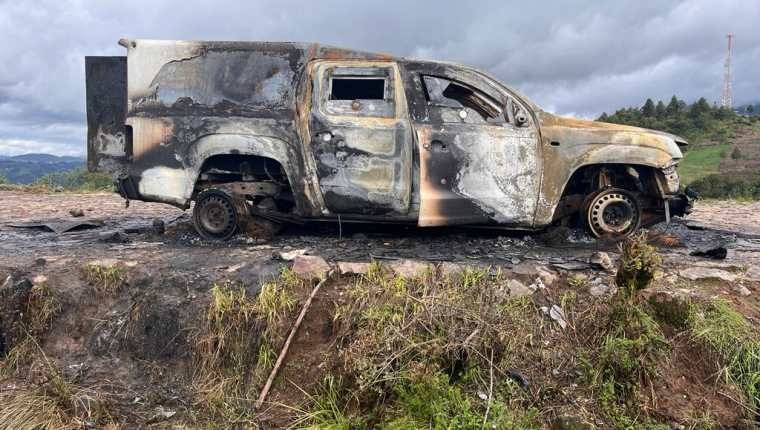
column 259, row 133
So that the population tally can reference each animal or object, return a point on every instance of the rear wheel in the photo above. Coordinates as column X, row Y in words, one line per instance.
column 613, row 212
column 216, row 215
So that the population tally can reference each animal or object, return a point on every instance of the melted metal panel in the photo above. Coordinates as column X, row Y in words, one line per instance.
column 362, row 157
column 106, row 111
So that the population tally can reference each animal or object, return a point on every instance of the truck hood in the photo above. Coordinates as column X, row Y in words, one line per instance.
column 573, row 131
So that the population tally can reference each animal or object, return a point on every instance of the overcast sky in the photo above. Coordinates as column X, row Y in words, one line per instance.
column 579, row 57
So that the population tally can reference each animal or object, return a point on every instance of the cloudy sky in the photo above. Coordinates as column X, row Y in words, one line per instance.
column 575, row 57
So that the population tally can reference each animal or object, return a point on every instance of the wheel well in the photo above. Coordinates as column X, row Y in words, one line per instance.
column 637, row 178
column 262, row 173
column 240, row 167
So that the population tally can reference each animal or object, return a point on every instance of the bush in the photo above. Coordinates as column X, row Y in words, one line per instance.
column 75, row 180
column 728, row 186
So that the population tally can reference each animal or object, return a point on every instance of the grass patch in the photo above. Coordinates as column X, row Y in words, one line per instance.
column 735, row 342
column 701, row 161
column 420, row 353
column 106, row 278
column 51, row 402
column 37, row 311
column 236, row 346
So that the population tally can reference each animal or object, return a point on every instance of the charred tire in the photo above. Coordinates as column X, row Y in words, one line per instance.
column 612, row 212
column 215, row 215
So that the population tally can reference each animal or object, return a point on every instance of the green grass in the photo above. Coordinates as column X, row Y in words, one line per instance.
column 701, row 161
column 734, row 339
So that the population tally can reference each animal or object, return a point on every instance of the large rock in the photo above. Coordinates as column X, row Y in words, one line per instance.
column 601, row 260
column 707, row 273
column 310, row 267
column 518, row 289
column 352, row 268
column 533, row 269
column 409, row 268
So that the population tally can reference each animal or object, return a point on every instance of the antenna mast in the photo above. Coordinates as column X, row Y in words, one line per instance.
column 726, row 99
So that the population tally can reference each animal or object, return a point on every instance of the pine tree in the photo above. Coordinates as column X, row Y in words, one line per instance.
column 660, row 109
column 673, row 106
column 648, row 108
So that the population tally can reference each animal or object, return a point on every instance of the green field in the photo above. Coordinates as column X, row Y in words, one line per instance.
column 700, row 161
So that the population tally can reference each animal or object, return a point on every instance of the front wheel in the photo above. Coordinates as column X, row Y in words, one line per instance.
column 613, row 212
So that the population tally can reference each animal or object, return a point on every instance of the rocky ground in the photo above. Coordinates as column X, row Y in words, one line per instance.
column 168, row 272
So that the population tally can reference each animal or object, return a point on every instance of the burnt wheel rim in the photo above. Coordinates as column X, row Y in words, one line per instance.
column 216, row 217
column 613, row 213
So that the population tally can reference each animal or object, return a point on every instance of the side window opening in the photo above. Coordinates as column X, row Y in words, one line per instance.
column 357, row 88
column 358, row 91
column 444, row 93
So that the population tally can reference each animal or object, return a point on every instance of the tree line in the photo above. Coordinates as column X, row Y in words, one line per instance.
column 699, row 121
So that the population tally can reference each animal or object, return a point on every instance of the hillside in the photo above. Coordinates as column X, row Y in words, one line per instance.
column 723, row 158
column 129, row 326
column 28, row 168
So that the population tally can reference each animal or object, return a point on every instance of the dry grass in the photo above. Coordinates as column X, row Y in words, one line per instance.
column 37, row 314
column 106, row 278
column 236, row 345
column 46, row 399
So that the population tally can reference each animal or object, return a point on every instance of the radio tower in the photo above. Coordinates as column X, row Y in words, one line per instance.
column 726, row 98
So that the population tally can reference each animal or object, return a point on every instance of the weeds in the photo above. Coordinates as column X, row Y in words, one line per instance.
column 106, row 278
column 638, row 263
column 53, row 402
column 37, row 313
column 237, row 344
column 410, row 348
column 737, row 345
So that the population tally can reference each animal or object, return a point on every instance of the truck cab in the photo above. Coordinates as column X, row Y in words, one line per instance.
column 263, row 133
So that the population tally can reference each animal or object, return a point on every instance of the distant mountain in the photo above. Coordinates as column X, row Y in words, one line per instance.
column 27, row 168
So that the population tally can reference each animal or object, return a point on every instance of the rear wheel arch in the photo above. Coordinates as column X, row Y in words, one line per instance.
column 263, row 152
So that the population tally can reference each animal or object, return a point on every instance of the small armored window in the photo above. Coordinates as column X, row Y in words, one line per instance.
column 357, row 88
column 359, row 91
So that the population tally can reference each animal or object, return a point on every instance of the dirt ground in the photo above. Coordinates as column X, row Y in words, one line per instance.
column 169, row 272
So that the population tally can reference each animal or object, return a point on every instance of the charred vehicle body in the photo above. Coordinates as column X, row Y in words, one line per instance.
column 259, row 133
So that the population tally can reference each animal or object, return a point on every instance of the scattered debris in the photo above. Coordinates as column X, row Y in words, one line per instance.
column 557, row 314
column 572, row 265
column 518, row 377
column 716, row 253
column 57, row 226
